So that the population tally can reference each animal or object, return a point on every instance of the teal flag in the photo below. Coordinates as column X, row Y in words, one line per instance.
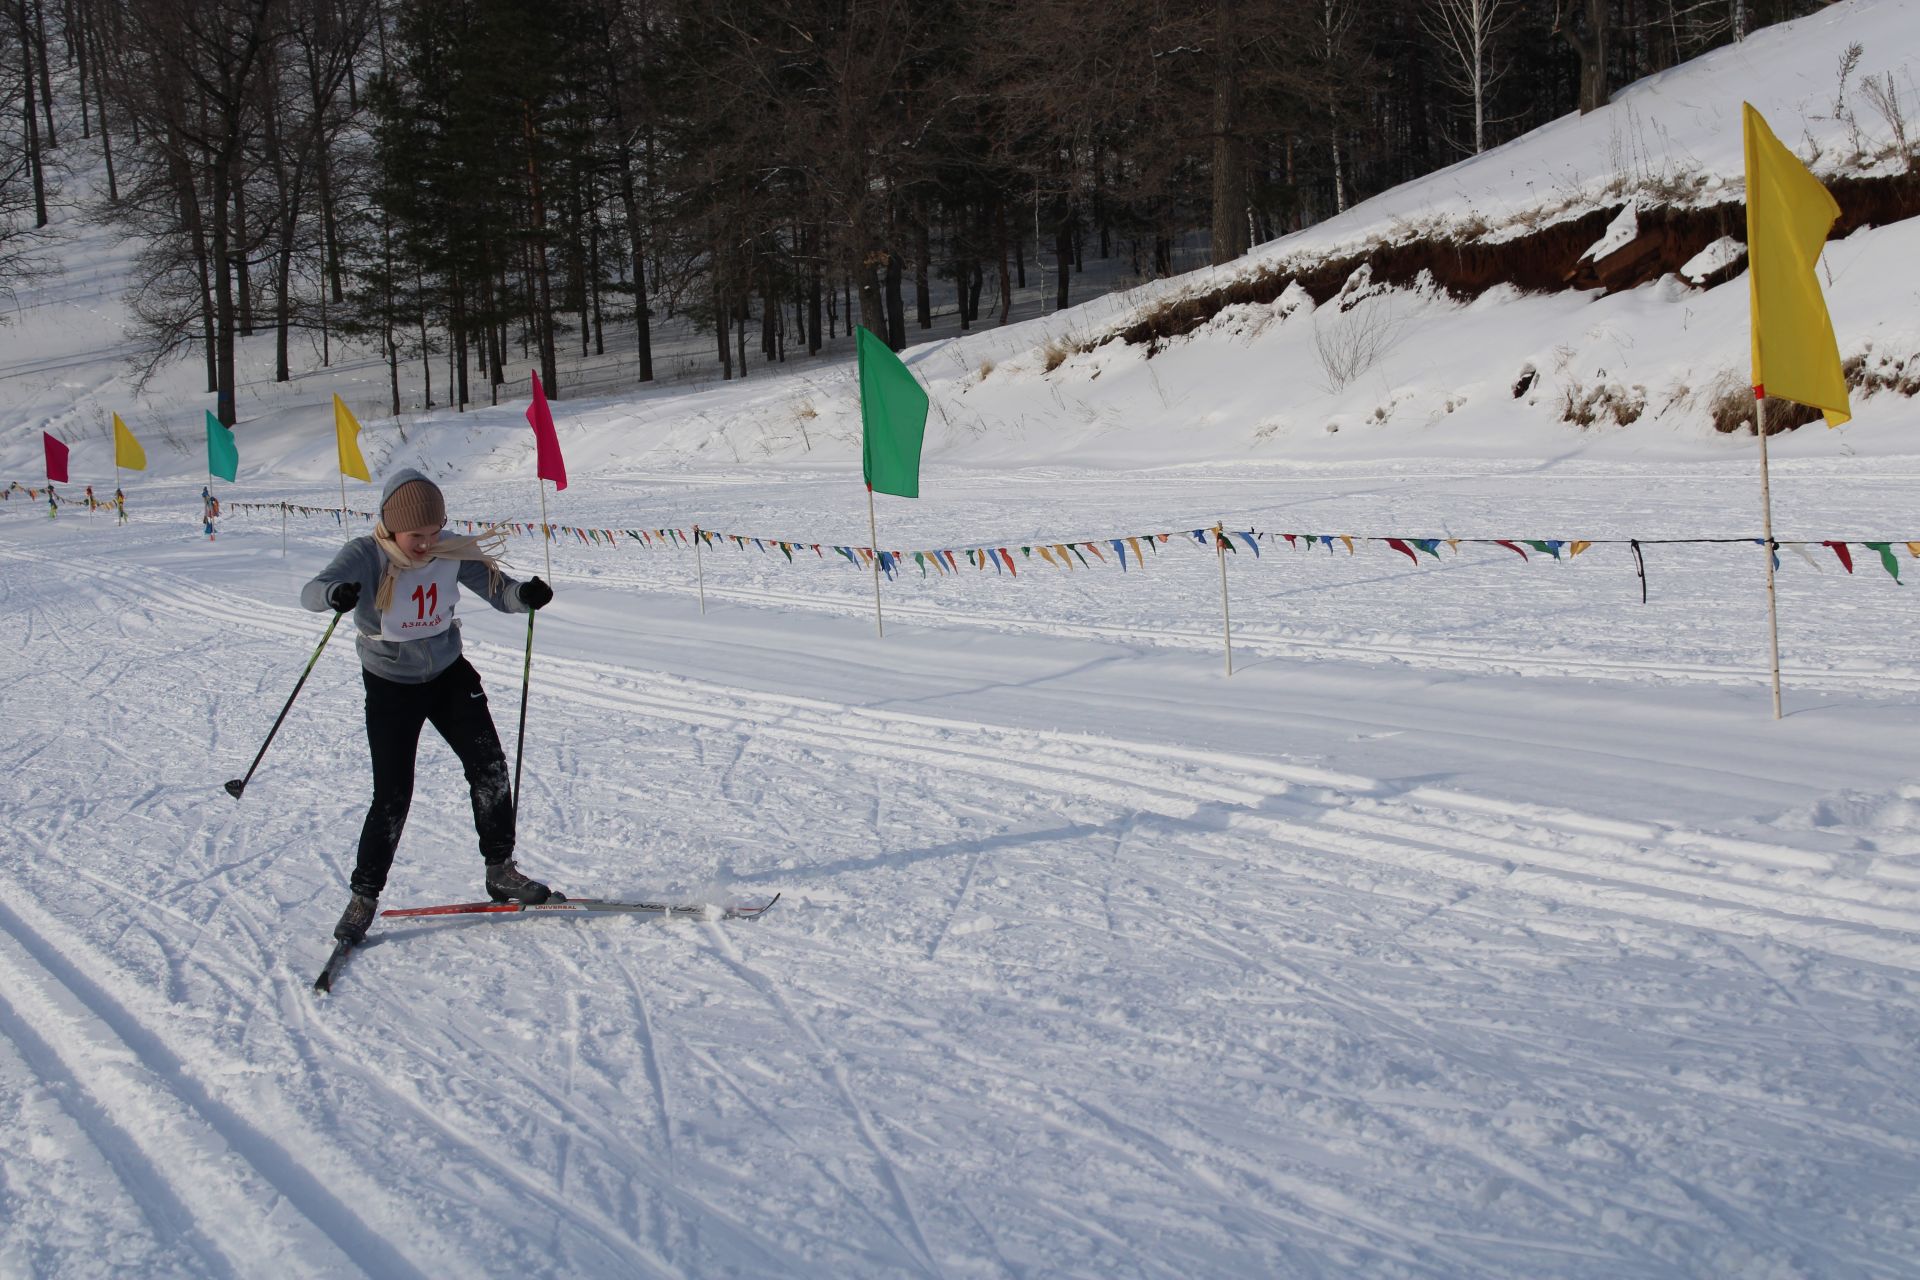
column 223, row 455
column 893, row 419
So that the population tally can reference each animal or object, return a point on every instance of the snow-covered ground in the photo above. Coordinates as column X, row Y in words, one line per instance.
column 1482, row 923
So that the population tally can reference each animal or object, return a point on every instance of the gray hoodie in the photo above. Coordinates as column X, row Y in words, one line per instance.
column 402, row 661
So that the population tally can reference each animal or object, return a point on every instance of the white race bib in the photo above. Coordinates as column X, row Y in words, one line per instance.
column 422, row 601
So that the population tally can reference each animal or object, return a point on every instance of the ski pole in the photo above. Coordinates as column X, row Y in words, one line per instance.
column 236, row 785
column 520, row 747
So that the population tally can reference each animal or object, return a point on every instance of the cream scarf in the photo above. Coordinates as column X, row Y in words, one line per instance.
column 487, row 547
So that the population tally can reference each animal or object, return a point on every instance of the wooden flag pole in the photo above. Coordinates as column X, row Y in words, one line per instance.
column 1226, row 615
column 873, row 535
column 546, row 530
column 699, row 570
column 1766, row 527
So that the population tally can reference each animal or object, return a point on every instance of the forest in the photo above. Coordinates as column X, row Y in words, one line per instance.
column 469, row 184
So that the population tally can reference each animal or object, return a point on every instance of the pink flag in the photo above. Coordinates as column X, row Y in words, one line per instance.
column 56, row 458
column 548, row 464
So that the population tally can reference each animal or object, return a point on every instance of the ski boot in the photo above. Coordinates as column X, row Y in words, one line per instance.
column 506, row 884
column 355, row 919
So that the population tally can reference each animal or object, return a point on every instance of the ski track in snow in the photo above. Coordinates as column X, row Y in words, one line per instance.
column 1035, row 1002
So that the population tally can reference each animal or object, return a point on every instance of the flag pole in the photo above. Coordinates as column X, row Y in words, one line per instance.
column 1766, row 527
column 873, row 535
column 699, row 570
column 1226, row 615
column 546, row 530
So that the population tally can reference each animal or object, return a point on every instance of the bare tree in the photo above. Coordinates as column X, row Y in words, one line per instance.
column 1465, row 31
column 1335, row 21
column 190, row 71
column 22, row 185
column 32, row 149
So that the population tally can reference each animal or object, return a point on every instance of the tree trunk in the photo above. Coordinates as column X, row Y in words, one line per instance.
column 813, row 293
column 873, row 316
column 46, row 79
column 386, row 313
column 960, row 293
column 426, row 343
column 769, row 310
column 922, row 294
column 577, row 255
column 1063, row 254
column 238, row 238
column 593, row 281
column 636, row 235
column 740, row 330
column 1588, row 40
column 1229, row 221
column 91, row 32
column 457, row 339
column 221, row 167
column 495, row 340
column 181, row 170
column 283, row 296
column 896, row 306
column 30, row 121
column 1006, row 283
column 543, row 277
column 77, row 47
column 329, row 216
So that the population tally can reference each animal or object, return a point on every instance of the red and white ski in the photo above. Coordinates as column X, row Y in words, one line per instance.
column 591, row 906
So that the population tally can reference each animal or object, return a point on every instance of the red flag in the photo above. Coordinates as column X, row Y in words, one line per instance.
column 56, row 458
column 548, row 464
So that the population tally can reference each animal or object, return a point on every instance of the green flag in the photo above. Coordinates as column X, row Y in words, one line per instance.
column 893, row 418
column 223, row 455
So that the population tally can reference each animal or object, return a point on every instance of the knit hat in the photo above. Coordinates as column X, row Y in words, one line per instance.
column 417, row 504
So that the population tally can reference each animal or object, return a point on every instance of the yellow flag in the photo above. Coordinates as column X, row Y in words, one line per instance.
column 346, row 431
column 126, row 450
column 1789, row 214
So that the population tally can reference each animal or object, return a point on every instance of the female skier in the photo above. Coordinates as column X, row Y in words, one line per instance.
column 401, row 584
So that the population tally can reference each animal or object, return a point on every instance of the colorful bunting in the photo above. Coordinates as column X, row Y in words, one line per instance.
column 1887, row 560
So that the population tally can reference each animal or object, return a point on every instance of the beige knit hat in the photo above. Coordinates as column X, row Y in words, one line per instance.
column 417, row 504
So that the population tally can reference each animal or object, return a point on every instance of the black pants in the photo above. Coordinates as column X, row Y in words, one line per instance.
column 454, row 703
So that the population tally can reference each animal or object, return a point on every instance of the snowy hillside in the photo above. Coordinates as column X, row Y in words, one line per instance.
column 1481, row 923
column 1401, row 373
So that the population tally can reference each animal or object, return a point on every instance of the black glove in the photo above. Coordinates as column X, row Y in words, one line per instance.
column 535, row 594
column 342, row 596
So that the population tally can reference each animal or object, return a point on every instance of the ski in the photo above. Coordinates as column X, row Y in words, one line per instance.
column 324, row 983
column 590, row 906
